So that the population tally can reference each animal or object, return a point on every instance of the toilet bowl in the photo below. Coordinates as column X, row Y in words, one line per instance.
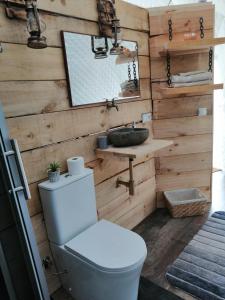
column 96, row 260
column 102, row 263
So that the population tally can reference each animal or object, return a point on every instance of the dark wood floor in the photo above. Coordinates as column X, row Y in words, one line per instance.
column 166, row 237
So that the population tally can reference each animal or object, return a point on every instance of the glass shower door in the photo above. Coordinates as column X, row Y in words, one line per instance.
column 21, row 273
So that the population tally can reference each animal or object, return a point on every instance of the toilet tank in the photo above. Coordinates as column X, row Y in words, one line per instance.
column 69, row 206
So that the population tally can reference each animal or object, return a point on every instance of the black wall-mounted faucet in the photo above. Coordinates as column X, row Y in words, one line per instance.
column 111, row 104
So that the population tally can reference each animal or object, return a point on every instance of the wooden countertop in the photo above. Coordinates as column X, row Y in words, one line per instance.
column 134, row 151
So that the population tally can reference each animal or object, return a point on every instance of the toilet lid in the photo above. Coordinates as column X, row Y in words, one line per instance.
column 109, row 247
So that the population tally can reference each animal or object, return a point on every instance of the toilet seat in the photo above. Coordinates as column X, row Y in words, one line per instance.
column 109, row 247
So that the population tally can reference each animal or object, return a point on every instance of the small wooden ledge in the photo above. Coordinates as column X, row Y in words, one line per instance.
column 190, row 46
column 146, row 149
column 176, row 91
column 135, row 151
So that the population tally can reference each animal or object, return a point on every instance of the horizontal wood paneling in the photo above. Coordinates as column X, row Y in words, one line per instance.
column 131, row 16
column 158, row 43
column 108, row 196
column 125, row 203
column 182, row 126
column 22, row 63
column 183, row 180
column 183, row 163
column 14, row 31
column 113, row 208
column 44, row 129
column 40, row 158
column 188, row 144
column 184, row 17
column 181, row 107
column 21, row 98
column 146, row 204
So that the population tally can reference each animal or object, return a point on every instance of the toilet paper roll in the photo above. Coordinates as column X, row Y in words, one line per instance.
column 75, row 165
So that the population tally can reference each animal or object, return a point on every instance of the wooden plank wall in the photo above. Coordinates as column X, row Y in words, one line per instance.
column 33, row 90
column 188, row 163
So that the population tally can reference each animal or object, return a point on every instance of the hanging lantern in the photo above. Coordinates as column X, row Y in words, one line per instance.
column 99, row 46
column 109, row 24
column 34, row 26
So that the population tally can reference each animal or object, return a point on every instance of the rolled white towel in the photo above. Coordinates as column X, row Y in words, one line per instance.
column 191, row 77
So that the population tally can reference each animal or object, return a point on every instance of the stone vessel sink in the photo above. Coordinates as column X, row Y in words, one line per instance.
column 126, row 137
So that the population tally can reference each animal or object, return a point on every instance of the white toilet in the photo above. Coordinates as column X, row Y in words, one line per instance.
column 97, row 260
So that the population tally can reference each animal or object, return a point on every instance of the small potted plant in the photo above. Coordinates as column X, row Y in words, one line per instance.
column 54, row 171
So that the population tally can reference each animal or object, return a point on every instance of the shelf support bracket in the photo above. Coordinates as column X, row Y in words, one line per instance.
column 130, row 183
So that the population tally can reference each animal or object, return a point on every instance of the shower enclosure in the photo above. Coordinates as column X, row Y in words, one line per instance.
column 21, row 273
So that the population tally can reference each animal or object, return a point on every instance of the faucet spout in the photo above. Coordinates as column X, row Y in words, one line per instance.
column 111, row 104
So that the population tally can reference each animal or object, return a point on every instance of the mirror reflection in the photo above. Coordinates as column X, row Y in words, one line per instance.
column 98, row 72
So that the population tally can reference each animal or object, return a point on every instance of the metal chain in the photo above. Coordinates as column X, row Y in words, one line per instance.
column 210, row 59
column 170, row 24
column 135, row 73
column 168, row 69
column 129, row 72
column 201, row 21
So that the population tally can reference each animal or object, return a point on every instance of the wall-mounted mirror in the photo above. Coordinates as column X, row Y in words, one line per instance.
column 95, row 74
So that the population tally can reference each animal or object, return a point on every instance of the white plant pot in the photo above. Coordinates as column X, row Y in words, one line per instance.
column 54, row 176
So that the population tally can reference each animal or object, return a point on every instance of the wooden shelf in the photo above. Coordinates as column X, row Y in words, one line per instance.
column 190, row 46
column 195, row 89
column 135, row 151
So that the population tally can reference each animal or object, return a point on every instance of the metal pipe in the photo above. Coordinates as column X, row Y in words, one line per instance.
column 130, row 183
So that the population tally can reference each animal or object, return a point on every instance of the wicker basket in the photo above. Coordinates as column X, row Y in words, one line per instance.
column 186, row 202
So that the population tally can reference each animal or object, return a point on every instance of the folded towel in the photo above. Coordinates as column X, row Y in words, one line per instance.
column 128, row 85
column 190, row 78
column 202, row 82
column 192, row 73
